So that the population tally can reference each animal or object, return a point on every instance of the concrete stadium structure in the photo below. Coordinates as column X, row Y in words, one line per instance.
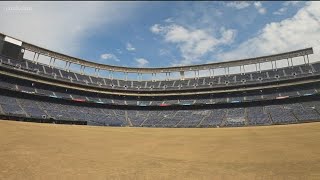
column 222, row 94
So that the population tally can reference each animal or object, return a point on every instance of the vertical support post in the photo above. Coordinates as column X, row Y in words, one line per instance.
column 65, row 67
column 84, row 67
column 181, row 75
column 37, row 58
column 291, row 63
column 288, row 62
column 98, row 73
column 304, row 59
column 50, row 62
column 244, row 70
column 34, row 56
column 308, row 59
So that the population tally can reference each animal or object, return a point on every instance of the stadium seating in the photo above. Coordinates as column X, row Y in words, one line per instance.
column 224, row 100
column 202, row 82
column 230, row 117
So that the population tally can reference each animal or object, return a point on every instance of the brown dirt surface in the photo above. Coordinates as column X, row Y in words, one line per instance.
column 48, row 151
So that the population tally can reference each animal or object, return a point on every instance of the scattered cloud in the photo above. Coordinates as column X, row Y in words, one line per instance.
column 280, row 11
column 292, row 3
column 59, row 26
column 243, row 4
column 300, row 31
column 259, row 7
column 141, row 62
column 164, row 52
column 168, row 20
column 129, row 47
column 238, row 4
column 193, row 43
column 108, row 56
column 285, row 7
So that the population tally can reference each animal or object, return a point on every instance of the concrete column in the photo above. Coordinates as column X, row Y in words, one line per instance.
column 50, row 62
column 34, row 56
column 37, row 58
column 65, row 67
column 260, row 67
column 98, row 73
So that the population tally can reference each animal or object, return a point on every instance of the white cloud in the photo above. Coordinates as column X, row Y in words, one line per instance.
column 129, row 47
column 285, row 7
column 108, row 56
column 259, row 7
column 156, row 28
column 168, row 20
column 300, row 31
column 281, row 11
column 292, row 3
column 193, row 43
column 238, row 4
column 141, row 62
column 60, row 26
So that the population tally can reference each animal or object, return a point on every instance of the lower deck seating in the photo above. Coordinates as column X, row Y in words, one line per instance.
column 224, row 117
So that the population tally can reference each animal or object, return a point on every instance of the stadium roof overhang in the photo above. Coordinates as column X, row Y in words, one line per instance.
column 236, row 89
column 216, row 65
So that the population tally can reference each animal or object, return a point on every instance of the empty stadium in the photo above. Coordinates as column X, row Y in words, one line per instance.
column 215, row 96
column 35, row 91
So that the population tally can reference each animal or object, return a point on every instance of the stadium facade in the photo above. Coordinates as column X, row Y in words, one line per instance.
column 229, row 94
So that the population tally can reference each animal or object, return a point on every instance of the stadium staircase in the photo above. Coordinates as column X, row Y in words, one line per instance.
column 127, row 118
column 23, row 110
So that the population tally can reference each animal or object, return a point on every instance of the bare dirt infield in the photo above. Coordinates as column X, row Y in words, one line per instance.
column 48, row 151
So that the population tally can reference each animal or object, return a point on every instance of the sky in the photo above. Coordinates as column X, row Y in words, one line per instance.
column 161, row 34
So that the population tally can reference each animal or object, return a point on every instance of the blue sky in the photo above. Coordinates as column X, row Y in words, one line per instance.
column 158, row 34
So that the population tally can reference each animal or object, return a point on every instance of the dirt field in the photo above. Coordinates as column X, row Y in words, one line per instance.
column 47, row 151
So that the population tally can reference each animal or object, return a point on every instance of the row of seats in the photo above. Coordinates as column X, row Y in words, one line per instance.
column 226, row 117
column 202, row 82
column 34, row 89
